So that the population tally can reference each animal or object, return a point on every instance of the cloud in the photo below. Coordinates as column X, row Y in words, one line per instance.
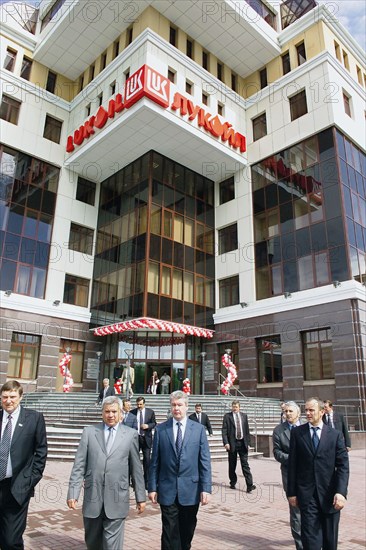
column 352, row 15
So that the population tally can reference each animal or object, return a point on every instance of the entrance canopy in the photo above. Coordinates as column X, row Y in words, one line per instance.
column 146, row 323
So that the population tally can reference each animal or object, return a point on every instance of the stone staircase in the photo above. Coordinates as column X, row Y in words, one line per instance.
column 67, row 414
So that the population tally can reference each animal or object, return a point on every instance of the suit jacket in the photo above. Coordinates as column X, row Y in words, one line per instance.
column 106, row 478
column 110, row 393
column 341, row 425
column 205, row 421
column 281, row 448
column 130, row 421
column 229, row 430
column 193, row 475
column 324, row 471
column 28, row 453
column 151, row 421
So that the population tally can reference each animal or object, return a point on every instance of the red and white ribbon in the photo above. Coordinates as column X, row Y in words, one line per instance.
column 187, row 386
column 65, row 372
column 117, row 386
column 232, row 374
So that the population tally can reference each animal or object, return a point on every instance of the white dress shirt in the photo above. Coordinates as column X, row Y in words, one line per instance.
column 14, row 420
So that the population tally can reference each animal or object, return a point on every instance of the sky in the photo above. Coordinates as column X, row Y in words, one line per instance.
column 351, row 13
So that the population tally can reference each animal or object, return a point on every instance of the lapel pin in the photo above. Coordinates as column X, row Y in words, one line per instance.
column 20, row 425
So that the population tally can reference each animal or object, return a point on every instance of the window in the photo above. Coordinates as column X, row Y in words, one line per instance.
column 337, row 51
column 227, row 190
column 189, row 87
column 103, row 61
column 85, row 191
column 129, row 36
column 171, row 75
column 26, row 68
column 115, row 49
column 298, row 105
column 88, row 110
column 51, row 82
column 189, row 48
column 204, row 98
column 259, row 126
column 347, row 104
column 50, row 14
column 9, row 109
column 269, row 356
column 81, row 83
column 127, row 74
column 219, row 71
column 229, row 291
column 91, row 72
column 81, row 239
column 112, row 88
column 205, row 60
column 359, row 75
column 76, row 291
column 318, row 354
column 23, row 356
column 345, row 60
column 228, row 238
column 220, row 108
column 286, row 65
column 301, row 53
column 173, row 36
column 100, row 99
column 263, row 78
column 52, row 129
column 234, row 81
column 10, row 58
column 77, row 350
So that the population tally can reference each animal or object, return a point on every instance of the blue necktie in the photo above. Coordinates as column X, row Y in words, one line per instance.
column 315, row 438
column 179, row 440
column 5, row 448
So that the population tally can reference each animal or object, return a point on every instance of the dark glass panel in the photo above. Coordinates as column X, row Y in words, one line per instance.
column 30, row 224
column 42, row 254
column 168, row 197
column 288, row 246
column 178, row 255
column 200, row 262
column 274, row 250
column 349, row 152
column 15, row 220
column 359, row 237
column 318, row 237
column 258, row 201
column 152, row 305
column 200, row 187
column 359, row 183
column 329, row 173
column 7, row 275
column 332, row 201
column 284, row 191
column 343, row 172
column 179, row 202
column 347, row 201
column 165, row 308
column 261, row 257
column 177, row 311
column 138, row 300
column 48, row 202
column 157, row 192
column 303, row 244
column 338, row 264
column 286, row 217
column 326, row 146
column 335, row 232
column 340, row 145
column 210, row 266
column 290, row 276
column 155, row 247
column 190, row 207
column 34, row 198
column 351, row 232
column 210, row 216
column 188, row 313
column 19, row 192
column 189, row 258
column 140, row 248
column 167, row 251
column 200, row 210
column 2, row 239
column 11, row 247
column 271, row 195
column 27, row 251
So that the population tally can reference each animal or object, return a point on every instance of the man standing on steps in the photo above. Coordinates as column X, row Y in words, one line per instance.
column 106, row 391
column 201, row 417
column 23, row 453
column 236, row 439
column 145, row 423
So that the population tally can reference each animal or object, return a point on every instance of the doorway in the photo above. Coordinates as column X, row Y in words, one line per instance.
column 160, row 370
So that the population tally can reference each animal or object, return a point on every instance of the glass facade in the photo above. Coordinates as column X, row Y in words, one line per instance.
column 301, row 240
column 155, row 245
column 28, row 189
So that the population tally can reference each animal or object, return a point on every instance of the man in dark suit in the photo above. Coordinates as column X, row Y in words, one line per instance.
column 318, row 472
column 23, row 453
column 106, row 391
column 337, row 421
column 180, row 474
column 281, row 447
column 129, row 419
column 201, row 417
column 146, row 423
column 106, row 458
column 236, row 439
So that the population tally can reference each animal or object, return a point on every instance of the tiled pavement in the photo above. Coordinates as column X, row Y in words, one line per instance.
column 232, row 521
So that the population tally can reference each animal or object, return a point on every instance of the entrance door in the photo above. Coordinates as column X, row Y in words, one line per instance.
column 160, row 370
column 177, row 376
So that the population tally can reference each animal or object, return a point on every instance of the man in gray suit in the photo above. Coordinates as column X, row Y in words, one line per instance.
column 129, row 419
column 107, row 455
column 281, row 449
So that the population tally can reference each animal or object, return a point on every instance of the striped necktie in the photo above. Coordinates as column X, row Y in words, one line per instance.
column 5, row 448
